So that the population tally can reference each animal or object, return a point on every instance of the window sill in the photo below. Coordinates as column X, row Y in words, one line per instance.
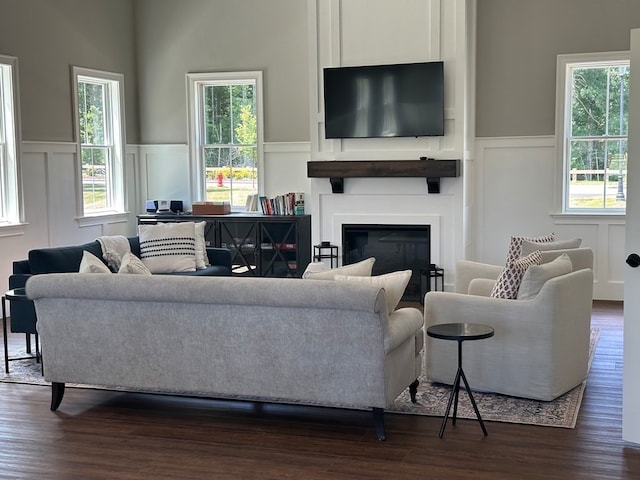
column 12, row 229
column 102, row 218
column 579, row 217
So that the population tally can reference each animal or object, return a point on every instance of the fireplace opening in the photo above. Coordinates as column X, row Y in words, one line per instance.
column 395, row 247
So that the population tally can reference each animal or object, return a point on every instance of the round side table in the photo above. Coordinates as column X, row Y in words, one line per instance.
column 460, row 332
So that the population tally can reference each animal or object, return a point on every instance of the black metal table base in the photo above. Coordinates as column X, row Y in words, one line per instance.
column 455, row 393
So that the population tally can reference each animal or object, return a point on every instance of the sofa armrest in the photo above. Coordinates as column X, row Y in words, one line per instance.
column 404, row 323
column 219, row 256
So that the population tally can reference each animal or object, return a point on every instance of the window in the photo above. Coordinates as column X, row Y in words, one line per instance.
column 225, row 134
column 100, row 135
column 593, row 118
column 10, row 208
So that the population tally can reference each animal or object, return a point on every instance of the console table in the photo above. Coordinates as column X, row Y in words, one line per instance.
column 260, row 245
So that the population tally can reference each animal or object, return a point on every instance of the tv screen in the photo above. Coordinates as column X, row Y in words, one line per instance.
column 401, row 100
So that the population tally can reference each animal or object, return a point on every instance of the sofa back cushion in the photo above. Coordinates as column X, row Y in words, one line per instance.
column 61, row 259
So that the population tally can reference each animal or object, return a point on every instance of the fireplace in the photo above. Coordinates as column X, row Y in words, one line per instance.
column 395, row 247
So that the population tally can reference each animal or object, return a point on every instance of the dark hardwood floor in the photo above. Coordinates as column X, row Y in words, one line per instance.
column 109, row 435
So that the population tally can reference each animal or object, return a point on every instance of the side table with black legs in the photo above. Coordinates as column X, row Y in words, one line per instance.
column 460, row 332
column 14, row 295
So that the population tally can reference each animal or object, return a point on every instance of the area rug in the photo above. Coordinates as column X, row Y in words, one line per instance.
column 561, row 412
column 432, row 398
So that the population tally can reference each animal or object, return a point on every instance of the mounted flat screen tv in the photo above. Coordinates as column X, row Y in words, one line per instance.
column 401, row 100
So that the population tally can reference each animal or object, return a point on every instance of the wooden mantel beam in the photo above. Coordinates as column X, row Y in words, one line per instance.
column 337, row 170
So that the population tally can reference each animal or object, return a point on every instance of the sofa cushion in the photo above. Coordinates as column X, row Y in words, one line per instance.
column 359, row 269
column 537, row 275
column 509, row 280
column 92, row 264
column 131, row 264
column 168, row 247
column 515, row 246
column 394, row 284
column 529, row 246
column 61, row 259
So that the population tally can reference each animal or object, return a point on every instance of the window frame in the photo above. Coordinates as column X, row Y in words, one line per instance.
column 116, row 133
column 195, row 83
column 565, row 64
column 11, row 204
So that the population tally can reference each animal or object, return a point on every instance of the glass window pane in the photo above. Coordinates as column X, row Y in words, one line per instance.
column 94, row 178
column 589, row 102
column 231, row 174
column 597, row 174
column 91, row 103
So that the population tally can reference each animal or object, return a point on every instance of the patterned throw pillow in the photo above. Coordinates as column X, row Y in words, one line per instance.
column 508, row 282
column 168, row 247
column 515, row 247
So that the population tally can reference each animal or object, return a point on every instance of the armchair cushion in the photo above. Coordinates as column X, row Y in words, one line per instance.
column 537, row 275
column 529, row 246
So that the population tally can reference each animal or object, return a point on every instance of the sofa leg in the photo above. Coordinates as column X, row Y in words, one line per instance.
column 413, row 390
column 378, row 421
column 57, row 392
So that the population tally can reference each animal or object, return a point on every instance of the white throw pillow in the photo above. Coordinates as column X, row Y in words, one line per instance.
column 537, row 275
column 394, row 285
column 202, row 259
column 132, row 264
column 168, row 247
column 359, row 269
column 509, row 280
column 528, row 246
column 92, row 264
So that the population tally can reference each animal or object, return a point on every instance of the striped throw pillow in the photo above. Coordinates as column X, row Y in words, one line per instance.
column 168, row 247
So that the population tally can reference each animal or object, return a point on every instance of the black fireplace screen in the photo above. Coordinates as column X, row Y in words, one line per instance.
column 395, row 247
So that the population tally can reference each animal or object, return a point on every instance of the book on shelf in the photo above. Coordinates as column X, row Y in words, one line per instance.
column 291, row 203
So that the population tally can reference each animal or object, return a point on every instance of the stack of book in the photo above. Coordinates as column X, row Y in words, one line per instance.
column 291, row 203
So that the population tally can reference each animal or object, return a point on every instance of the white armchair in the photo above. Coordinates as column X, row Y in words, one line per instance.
column 541, row 346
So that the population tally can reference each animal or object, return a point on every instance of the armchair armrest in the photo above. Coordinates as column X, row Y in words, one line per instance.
column 467, row 271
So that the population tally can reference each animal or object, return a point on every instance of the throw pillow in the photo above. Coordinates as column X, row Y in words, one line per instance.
column 536, row 276
column 358, row 269
column 168, row 247
column 509, row 280
column 202, row 259
column 528, row 246
column 394, row 285
column 92, row 264
column 515, row 246
column 132, row 264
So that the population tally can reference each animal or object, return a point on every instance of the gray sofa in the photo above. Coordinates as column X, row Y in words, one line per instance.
column 267, row 339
